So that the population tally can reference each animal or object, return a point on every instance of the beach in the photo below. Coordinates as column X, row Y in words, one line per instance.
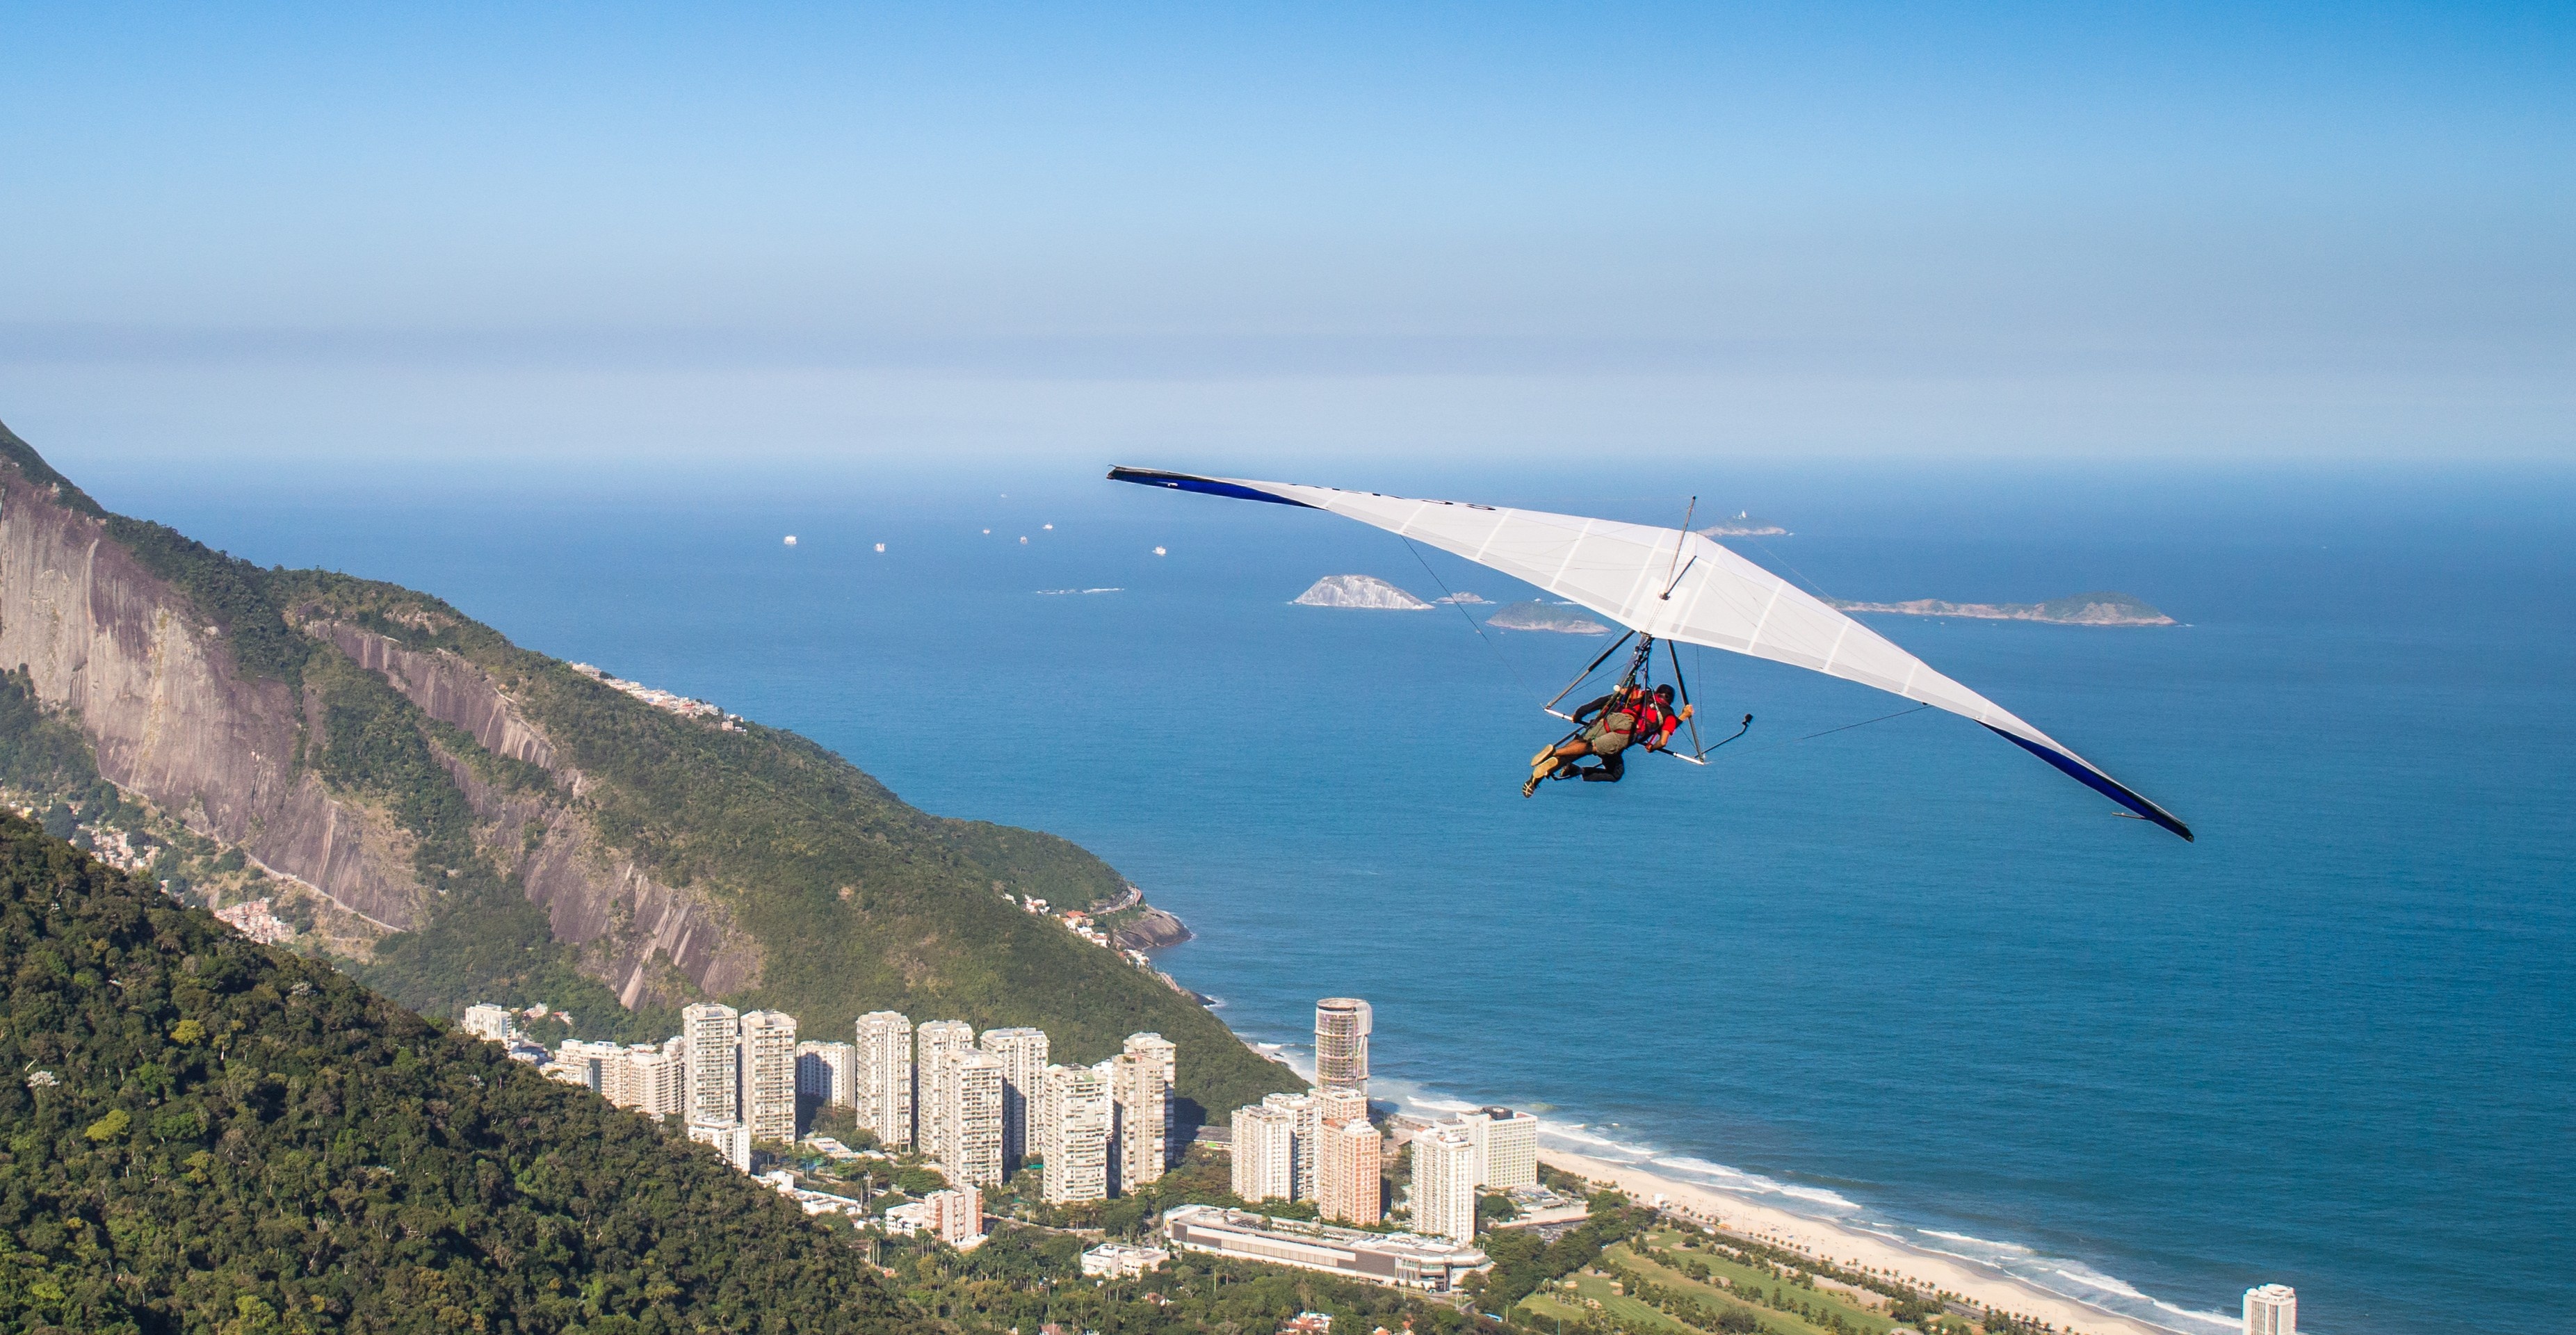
column 1975, row 1284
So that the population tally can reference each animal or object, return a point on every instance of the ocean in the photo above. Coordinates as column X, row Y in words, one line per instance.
column 1901, row 974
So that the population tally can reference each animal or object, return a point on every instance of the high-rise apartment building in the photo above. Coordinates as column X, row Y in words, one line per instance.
column 1140, row 1096
column 1341, row 1043
column 493, row 1024
column 1074, row 1135
column 1023, row 1054
column 1167, row 1055
column 1506, row 1148
column 2272, row 1309
column 1444, row 1183
column 934, row 1092
column 1347, row 1169
column 649, row 1079
column 884, row 1078
column 1303, row 1123
column 973, row 1118
column 769, row 1075
column 825, row 1072
column 715, row 1082
column 1265, row 1153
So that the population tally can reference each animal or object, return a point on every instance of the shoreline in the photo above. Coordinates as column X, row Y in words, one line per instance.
column 1978, row 1284
column 1972, row 1281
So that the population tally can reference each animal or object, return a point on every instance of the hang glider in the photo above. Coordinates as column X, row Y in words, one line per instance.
column 1672, row 585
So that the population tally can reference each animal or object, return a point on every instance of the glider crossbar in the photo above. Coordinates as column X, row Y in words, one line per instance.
column 1588, row 670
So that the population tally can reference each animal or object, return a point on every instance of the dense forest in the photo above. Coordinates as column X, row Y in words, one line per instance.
column 205, row 1134
column 855, row 900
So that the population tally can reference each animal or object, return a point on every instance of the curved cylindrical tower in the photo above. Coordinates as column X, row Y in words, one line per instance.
column 1341, row 1044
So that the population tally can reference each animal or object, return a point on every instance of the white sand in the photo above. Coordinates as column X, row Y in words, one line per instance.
column 1976, row 1284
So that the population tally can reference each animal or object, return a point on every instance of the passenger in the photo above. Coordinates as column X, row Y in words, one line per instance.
column 1606, row 728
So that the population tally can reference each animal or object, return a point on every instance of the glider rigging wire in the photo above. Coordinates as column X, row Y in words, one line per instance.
column 1472, row 624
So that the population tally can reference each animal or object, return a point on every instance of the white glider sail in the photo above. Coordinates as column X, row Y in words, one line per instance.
column 1672, row 585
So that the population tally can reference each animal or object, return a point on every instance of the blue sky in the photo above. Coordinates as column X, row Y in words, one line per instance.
column 1313, row 234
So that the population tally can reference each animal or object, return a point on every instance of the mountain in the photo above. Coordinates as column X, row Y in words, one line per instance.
column 200, row 1133
column 469, row 820
column 2083, row 609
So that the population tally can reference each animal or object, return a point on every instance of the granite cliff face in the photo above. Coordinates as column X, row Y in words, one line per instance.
column 169, row 715
column 173, row 719
column 630, row 926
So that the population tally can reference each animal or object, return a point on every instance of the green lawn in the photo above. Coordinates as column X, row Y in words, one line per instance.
column 1860, row 1318
column 1552, row 1304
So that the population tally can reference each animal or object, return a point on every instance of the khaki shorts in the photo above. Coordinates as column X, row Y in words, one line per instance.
column 1605, row 742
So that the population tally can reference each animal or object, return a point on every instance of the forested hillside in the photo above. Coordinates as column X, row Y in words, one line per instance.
column 199, row 1133
column 537, row 835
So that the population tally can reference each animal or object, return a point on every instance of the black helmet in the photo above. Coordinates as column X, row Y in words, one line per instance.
column 1664, row 692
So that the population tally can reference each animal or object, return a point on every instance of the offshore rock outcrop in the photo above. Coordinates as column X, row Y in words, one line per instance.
column 169, row 715
column 1361, row 591
column 631, row 928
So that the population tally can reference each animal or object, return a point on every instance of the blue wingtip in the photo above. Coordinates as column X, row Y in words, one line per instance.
column 1206, row 486
column 2083, row 774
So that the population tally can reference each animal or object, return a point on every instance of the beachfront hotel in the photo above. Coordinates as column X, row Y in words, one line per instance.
column 2272, row 1309
column 1341, row 1044
column 1506, row 1148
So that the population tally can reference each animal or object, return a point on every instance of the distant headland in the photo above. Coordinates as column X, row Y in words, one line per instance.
column 1362, row 591
column 2083, row 609
column 1545, row 616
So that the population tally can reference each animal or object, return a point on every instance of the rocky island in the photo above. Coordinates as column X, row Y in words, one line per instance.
column 1562, row 618
column 1743, row 525
column 1361, row 591
column 2083, row 609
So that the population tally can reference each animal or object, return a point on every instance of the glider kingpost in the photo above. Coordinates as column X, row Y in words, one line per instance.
column 1673, row 585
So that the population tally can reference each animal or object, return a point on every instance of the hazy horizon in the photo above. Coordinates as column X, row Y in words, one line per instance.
column 1453, row 237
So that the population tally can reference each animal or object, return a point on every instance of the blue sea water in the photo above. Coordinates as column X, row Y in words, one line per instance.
column 1901, row 974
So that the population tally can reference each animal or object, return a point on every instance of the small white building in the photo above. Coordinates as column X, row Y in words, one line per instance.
column 492, row 1024
column 1118, row 1260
